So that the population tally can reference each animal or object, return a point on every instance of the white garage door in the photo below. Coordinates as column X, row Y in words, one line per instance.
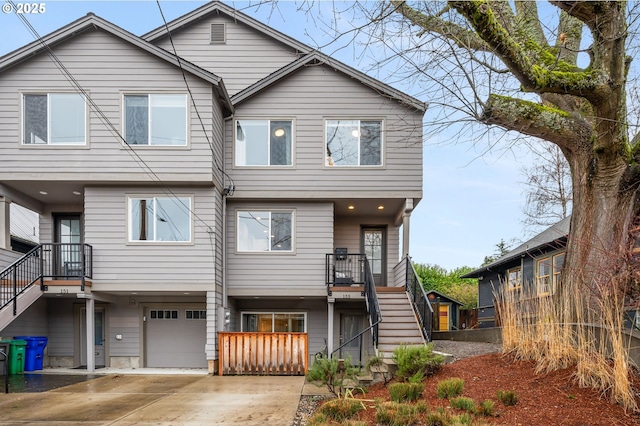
column 175, row 336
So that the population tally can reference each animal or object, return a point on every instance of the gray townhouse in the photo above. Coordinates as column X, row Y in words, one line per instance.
column 239, row 203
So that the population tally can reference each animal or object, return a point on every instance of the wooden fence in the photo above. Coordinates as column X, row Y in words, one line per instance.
column 263, row 354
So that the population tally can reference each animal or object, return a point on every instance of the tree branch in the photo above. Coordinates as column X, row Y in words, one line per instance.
column 463, row 37
column 557, row 126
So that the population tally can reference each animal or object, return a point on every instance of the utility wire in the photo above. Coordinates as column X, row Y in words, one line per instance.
column 104, row 119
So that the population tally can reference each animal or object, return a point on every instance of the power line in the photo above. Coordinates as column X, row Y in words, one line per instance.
column 105, row 120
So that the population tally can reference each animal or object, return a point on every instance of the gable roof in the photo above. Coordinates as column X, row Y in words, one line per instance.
column 443, row 296
column 318, row 58
column 91, row 21
column 547, row 239
column 309, row 54
column 219, row 7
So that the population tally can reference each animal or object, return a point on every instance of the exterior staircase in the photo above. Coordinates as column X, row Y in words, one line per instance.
column 400, row 326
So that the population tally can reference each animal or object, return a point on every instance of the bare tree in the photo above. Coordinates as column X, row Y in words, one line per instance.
column 548, row 189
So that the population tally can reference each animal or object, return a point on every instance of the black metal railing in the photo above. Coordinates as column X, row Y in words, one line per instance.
column 375, row 316
column 419, row 301
column 49, row 260
column 345, row 269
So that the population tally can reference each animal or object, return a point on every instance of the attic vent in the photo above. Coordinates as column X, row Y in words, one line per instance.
column 217, row 34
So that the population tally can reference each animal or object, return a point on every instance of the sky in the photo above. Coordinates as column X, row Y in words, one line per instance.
column 472, row 199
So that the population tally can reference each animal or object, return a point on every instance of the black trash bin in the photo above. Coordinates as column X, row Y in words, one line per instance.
column 4, row 359
column 34, row 355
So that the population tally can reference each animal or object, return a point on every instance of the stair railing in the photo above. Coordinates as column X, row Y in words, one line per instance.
column 375, row 316
column 48, row 260
column 419, row 300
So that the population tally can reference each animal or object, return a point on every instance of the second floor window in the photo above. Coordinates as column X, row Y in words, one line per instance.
column 263, row 142
column 353, row 142
column 54, row 119
column 155, row 119
column 156, row 219
column 260, row 231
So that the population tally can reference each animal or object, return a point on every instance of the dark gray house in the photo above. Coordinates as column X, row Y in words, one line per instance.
column 534, row 265
column 245, row 184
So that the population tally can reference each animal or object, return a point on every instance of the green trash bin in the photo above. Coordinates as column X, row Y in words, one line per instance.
column 17, row 351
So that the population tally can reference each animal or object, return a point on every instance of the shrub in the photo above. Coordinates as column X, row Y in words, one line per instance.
column 328, row 372
column 450, row 388
column 340, row 409
column 416, row 359
column 487, row 408
column 395, row 414
column 508, row 397
column 463, row 403
column 400, row 392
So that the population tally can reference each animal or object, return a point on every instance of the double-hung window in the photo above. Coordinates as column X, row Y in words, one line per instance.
column 265, row 231
column 156, row 219
column 155, row 119
column 54, row 119
column 263, row 142
column 274, row 322
column 353, row 142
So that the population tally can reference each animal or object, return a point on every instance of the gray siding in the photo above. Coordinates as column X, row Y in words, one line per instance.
column 122, row 266
column 7, row 257
column 245, row 58
column 124, row 319
column 62, row 332
column 301, row 273
column 106, row 67
column 310, row 96
column 32, row 322
column 348, row 234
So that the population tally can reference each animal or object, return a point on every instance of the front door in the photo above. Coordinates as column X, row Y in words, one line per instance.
column 374, row 245
column 350, row 326
column 98, row 337
column 443, row 314
column 67, row 254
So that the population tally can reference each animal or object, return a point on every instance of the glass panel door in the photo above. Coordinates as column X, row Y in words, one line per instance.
column 68, row 233
column 374, row 246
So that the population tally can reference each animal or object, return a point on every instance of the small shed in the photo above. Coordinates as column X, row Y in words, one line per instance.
column 446, row 311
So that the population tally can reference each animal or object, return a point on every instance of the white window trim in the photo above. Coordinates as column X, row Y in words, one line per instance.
column 267, row 252
column 355, row 166
column 129, row 217
column 509, row 271
column 123, row 127
column 273, row 313
column 48, row 145
column 267, row 166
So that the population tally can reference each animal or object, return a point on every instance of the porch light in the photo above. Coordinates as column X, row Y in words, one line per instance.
column 351, row 207
column 77, row 193
column 380, row 207
column 44, row 192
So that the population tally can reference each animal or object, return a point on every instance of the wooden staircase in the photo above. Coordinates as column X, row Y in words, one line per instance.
column 399, row 326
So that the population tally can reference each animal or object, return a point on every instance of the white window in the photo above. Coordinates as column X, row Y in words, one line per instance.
column 353, row 143
column 155, row 119
column 156, row 219
column 265, row 231
column 263, row 142
column 54, row 119
column 274, row 322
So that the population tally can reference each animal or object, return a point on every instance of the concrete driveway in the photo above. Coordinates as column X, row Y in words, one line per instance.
column 159, row 400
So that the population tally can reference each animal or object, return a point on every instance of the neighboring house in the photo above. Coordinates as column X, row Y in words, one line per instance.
column 267, row 196
column 24, row 227
column 446, row 311
column 534, row 266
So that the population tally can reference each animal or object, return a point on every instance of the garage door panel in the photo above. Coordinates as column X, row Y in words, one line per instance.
column 172, row 340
